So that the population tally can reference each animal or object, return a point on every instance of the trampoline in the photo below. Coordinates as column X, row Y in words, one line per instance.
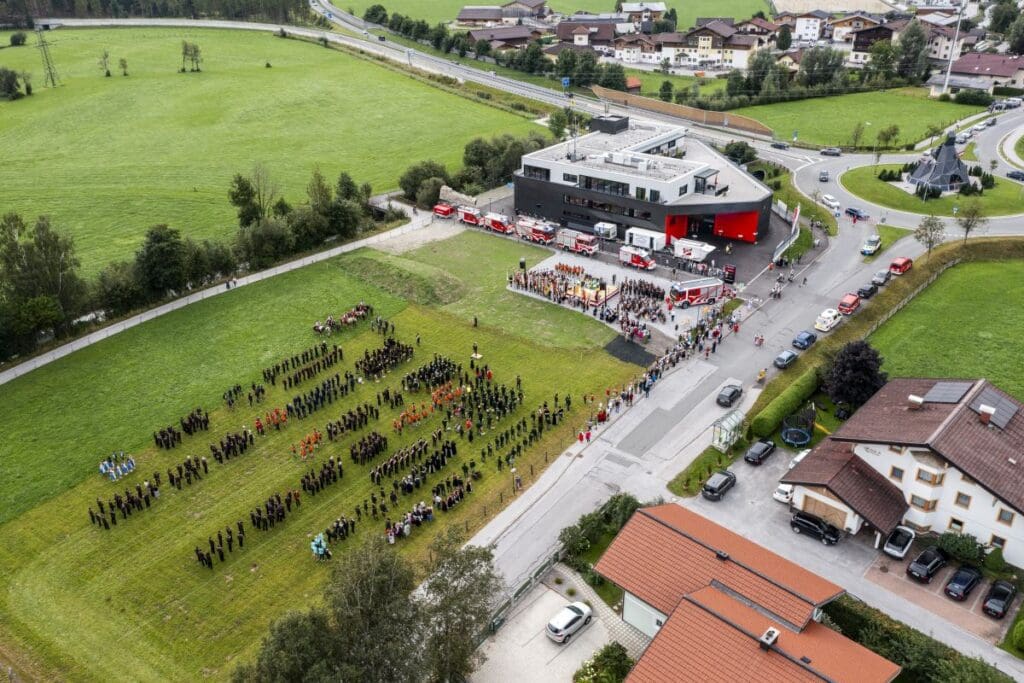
column 798, row 428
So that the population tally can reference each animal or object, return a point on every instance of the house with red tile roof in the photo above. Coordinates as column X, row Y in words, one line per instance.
column 722, row 608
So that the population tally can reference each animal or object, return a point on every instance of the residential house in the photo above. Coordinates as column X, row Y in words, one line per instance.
column 759, row 27
column 953, row 448
column 721, row 608
column 1005, row 71
column 639, row 13
column 843, row 27
column 512, row 36
column 863, row 39
column 940, row 40
column 715, row 44
column 790, row 60
column 637, row 48
column 937, row 84
column 520, row 9
column 588, row 32
column 474, row 15
column 808, row 26
column 552, row 51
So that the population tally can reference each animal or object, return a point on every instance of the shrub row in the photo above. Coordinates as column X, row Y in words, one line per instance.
column 785, row 404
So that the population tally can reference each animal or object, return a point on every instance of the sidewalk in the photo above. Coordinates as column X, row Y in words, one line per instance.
column 1008, row 148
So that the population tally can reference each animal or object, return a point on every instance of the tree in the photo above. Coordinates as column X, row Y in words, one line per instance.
column 1015, row 35
column 117, row 290
column 263, row 243
column 160, row 262
column 663, row 26
column 376, row 14
column 930, row 232
column 1002, row 17
column 785, row 38
column 888, row 136
column 17, row 39
column 740, row 152
column 820, row 65
column 319, row 193
column 971, row 217
column 857, row 134
column 242, row 196
column 565, row 64
column 610, row 664
column 299, row 647
column 264, row 189
column 429, row 192
column 123, row 65
column 104, row 63
column 912, row 53
column 308, row 226
column 881, row 65
column 415, row 175
column 482, row 48
column 761, row 64
column 614, row 77
column 933, row 131
column 735, row 83
column 458, row 598
column 10, row 87
column 665, row 66
column 665, row 92
column 855, row 374
column 586, row 69
column 557, row 123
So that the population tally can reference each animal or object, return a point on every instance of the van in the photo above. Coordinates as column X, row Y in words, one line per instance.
column 823, row 176
column 828, row 319
column 1013, row 102
column 830, row 201
column 900, row 265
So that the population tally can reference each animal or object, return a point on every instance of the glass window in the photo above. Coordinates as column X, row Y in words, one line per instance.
column 997, row 541
column 929, row 477
column 536, row 172
column 963, row 500
column 655, row 196
column 684, row 189
column 896, row 473
column 1005, row 516
column 570, row 178
column 922, row 504
column 641, row 193
column 956, row 525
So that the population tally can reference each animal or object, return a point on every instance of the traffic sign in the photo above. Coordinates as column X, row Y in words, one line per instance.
column 566, row 81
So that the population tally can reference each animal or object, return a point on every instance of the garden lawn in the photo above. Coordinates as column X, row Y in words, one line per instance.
column 965, row 325
column 890, row 235
column 1006, row 198
column 830, row 120
column 70, row 588
column 109, row 157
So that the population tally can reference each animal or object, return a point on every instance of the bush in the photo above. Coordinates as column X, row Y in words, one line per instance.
column 976, row 97
column 1017, row 637
column 994, row 561
column 574, row 541
column 776, row 185
column 610, row 664
column 963, row 548
column 944, row 97
column 785, row 404
column 17, row 39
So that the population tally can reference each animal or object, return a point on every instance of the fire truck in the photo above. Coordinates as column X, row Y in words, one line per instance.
column 637, row 258
column 499, row 223
column 574, row 240
column 444, row 210
column 535, row 230
column 706, row 290
column 470, row 215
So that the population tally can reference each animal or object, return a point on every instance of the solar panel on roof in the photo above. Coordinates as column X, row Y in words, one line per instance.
column 1004, row 407
column 947, row 392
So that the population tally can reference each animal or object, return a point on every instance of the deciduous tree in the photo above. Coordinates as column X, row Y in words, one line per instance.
column 855, row 374
column 930, row 232
column 160, row 263
column 971, row 217
column 785, row 38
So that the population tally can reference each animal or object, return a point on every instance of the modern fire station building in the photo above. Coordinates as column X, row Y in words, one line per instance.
column 645, row 175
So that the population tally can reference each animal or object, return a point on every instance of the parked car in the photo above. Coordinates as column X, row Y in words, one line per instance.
column 784, row 493
column 804, row 340
column 830, row 201
column 778, row 144
column 859, row 214
column 881, row 277
column 785, row 359
column 828, row 319
column 798, row 458
column 871, row 245
column 927, row 564
column 992, row 121
column 899, row 542
column 1016, row 175
column 999, row 598
column 823, row 176
column 964, row 580
column 900, row 265
column 831, row 152
column 759, row 451
column 568, row 621
column 728, row 395
column 720, row 482
column 816, row 527
column 867, row 291
column 980, row 128
column 849, row 304
column 962, row 138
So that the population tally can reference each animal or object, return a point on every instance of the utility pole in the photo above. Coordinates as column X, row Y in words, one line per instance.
column 952, row 49
column 48, row 67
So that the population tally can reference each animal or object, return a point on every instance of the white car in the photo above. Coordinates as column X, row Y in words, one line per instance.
column 568, row 621
column 784, row 494
column 798, row 457
column 871, row 245
column 830, row 201
column 828, row 319
column 899, row 542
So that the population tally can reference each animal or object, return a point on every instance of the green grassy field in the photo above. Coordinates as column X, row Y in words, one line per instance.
column 132, row 603
column 976, row 337
column 109, row 157
column 830, row 120
column 1006, row 198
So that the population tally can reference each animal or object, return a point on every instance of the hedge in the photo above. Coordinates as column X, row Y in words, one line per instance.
column 1007, row 92
column 785, row 404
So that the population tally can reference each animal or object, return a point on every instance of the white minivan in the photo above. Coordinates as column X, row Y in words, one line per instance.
column 828, row 319
column 830, row 201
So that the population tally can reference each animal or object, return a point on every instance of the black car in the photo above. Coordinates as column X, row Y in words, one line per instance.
column 831, row 152
column 780, row 145
column 857, row 213
column 804, row 339
column 806, row 523
column 759, row 452
column 729, row 395
column 867, row 291
column 1016, row 175
column 720, row 482
column 882, row 277
column 926, row 565
column 785, row 359
column 963, row 582
column 1000, row 597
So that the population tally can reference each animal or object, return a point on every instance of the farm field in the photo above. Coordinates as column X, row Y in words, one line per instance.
column 830, row 120
column 109, row 157
column 68, row 585
column 1006, row 198
column 976, row 337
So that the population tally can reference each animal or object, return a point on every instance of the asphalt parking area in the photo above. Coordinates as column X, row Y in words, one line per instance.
column 520, row 650
column 891, row 574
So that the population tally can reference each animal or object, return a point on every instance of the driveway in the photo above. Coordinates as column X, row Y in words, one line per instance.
column 520, row 651
column 891, row 574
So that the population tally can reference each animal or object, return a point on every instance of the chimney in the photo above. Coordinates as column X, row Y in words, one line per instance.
column 769, row 638
column 985, row 413
column 914, row 402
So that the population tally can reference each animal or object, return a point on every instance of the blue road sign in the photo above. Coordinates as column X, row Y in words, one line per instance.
column 566, row 81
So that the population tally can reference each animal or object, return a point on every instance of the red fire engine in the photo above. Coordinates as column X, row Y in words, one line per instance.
column 499, row 223
column 444, row 210
column 637, row 258
column 574, row 240
column 535, row 230
column 469, row 215
column 706, row 290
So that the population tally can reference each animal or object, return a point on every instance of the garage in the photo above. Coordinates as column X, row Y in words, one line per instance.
column 831, row 514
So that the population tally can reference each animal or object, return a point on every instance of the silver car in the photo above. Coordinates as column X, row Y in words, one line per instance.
column 568, row 621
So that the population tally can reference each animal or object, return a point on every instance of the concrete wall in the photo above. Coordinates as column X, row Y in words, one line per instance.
column 642, row 616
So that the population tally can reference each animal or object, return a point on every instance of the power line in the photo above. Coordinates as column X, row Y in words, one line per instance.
column 44, row 50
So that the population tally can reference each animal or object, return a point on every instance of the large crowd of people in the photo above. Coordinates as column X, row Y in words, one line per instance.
column 376, row 363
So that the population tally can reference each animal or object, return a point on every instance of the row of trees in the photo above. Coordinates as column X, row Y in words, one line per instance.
column 20, row 12
column 1006, row 18
column 373, row 627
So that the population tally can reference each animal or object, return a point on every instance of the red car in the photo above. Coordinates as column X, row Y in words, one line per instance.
column 900, row 265
column 848, row 304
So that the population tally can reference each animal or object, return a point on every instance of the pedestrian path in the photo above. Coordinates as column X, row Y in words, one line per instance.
column 1009, row 148
column 417, row 222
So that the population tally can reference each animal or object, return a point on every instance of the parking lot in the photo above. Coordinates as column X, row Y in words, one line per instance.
column 520, row 651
